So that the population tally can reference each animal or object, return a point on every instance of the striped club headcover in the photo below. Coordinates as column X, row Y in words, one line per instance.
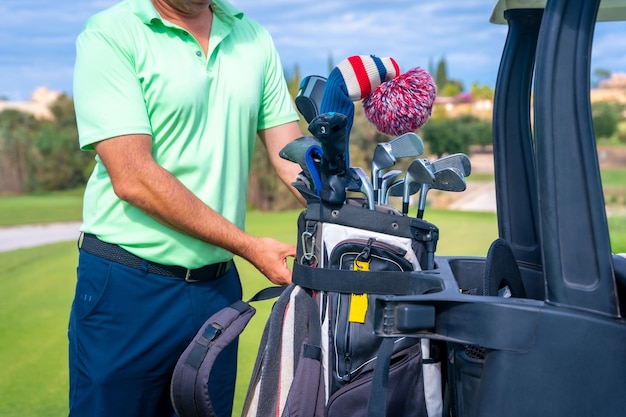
column 353, row 79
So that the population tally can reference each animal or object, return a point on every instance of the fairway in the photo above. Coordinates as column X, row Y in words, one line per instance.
column 35, row 291
column 57, row 206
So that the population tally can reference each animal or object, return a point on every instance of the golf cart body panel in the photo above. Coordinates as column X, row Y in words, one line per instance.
column 560, row 348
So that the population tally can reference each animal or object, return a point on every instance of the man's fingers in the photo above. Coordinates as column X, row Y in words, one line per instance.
column 271, row 260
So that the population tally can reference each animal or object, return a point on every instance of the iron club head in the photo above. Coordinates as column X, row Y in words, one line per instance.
column 459, row 161
column 388, row 178
column 449, row 179
column 420, row 172
column 397, row 189
column 387, row 153
column 365, row 186
column 446, row 179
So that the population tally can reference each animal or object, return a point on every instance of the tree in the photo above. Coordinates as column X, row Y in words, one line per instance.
column 605, row 118
column 451, row 88
column 441, row 77
column 601, row 74
column 17, row 132
column 481, row 92
column 56, row 162
column 447, row 136
column 293, row 84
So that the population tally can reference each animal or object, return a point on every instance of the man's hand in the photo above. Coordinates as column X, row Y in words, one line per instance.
column 269, row 256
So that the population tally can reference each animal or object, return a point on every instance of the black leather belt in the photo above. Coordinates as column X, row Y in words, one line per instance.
column 90, row 243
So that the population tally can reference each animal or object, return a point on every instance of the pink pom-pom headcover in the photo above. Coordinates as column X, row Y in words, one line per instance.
column 402, row 104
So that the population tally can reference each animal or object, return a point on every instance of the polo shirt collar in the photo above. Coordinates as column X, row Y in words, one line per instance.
column 144, row 9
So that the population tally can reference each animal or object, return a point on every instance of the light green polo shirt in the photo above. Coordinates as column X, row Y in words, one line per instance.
column 136, row 73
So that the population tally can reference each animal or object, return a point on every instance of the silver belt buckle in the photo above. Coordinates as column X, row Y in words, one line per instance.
column 188, row 276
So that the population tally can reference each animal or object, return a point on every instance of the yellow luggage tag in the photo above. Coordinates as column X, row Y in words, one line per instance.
column 358, row 302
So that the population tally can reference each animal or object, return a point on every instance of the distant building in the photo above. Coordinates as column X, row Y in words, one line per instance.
column 39, row 105
column 617, row 80
column 463, row 104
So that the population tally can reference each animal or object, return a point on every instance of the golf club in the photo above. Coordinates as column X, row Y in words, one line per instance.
column 306, row 151
column 309, row 96
column 446, row 179
column 397, row 190
column 459, row 161
column 449, row 179
column 388, row 178
column 365, row 186
column 387, row 153
column 419, row 172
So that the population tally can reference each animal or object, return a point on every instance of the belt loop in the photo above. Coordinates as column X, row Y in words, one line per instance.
column 144, row 266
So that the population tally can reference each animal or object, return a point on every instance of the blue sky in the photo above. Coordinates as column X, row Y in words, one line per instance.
column 37, row 37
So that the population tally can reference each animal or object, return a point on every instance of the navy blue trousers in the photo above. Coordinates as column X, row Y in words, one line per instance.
column 126, row 331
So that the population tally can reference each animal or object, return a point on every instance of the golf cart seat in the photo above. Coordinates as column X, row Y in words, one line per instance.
column 502, row 276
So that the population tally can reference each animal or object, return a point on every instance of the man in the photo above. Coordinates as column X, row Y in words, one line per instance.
column 170, row 94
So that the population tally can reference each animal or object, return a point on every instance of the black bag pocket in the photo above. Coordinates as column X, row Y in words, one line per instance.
column 377, row 255
column 405, row 389
column 355, row 345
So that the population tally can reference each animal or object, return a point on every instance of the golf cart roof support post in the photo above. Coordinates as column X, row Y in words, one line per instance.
column 514, row 160
column 578, row 269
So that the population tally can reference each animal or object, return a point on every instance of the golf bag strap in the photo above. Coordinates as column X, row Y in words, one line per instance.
column 377, row 404
column 349, row 282
column 189, row 386
column 306, row 396
column 267, row 294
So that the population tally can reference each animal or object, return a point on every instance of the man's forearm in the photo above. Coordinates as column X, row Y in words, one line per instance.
column 274, row 140
column 166, row 199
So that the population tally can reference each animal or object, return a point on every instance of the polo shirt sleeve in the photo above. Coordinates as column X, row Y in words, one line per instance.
column 276, row 105
column 107, row 91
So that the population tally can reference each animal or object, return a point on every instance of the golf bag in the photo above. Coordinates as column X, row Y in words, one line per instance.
column 319, row 355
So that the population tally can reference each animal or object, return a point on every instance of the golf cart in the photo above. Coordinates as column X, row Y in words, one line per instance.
column 557, row 345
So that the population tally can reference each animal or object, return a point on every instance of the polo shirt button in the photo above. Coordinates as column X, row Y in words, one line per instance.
column 185, row 33
column 198, row 53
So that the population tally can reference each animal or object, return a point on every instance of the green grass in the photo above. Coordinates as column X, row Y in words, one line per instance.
column 36, row 288
column 481, row 177
column 613, row 178
column 60, row 206
column 617, row 226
